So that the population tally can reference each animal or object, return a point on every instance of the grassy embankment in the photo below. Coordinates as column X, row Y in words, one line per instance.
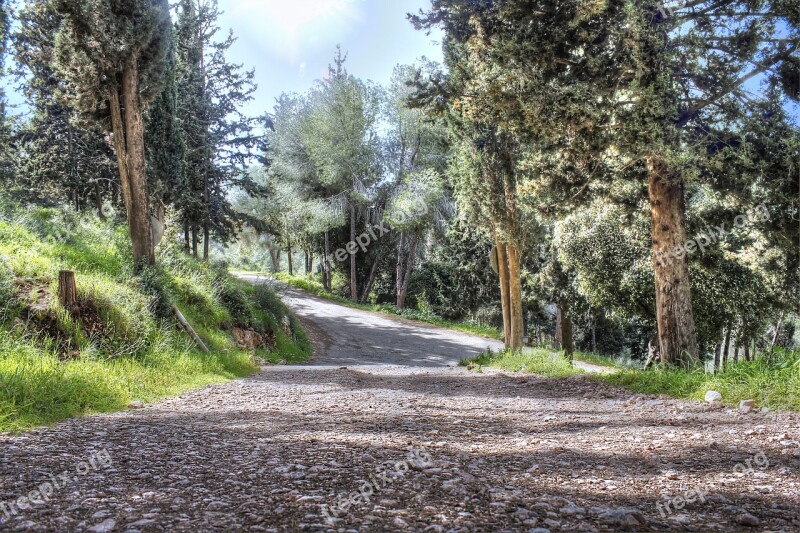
column 774, row 385
column 122, row 345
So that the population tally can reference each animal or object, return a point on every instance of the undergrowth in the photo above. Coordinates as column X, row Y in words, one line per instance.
column 124, row 345
column 773, row 384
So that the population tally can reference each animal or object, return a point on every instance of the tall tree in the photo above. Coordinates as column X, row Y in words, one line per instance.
column 220, row 140
column 60, row 160
column 343, row 143
column 112, row 57
column 628, row 80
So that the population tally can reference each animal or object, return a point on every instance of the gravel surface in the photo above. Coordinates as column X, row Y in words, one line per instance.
column 431, row 448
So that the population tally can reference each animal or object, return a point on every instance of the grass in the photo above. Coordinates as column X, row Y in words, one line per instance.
column 535, row 360
column 773, row 385
column 316, row 288
column 53, row 366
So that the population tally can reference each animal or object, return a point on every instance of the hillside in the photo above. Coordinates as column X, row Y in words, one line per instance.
column 121, row 344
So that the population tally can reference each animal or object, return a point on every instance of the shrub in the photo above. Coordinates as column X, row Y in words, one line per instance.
column 235, row 301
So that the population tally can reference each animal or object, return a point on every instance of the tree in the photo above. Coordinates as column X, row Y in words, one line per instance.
column 416, row 150
column 111, row 56
column 220, row 141
column 60, row 161
column 342, row 141
column 592, row 82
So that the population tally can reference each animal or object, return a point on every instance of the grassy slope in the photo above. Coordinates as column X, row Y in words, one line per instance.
column 774, row 386
column 50, row 373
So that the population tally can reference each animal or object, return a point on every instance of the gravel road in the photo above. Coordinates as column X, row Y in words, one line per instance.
column 378, row 433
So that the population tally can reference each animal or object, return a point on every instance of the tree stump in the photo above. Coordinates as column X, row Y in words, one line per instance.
column 67, row 291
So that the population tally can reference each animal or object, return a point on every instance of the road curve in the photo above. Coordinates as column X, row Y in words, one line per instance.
column 344, row 336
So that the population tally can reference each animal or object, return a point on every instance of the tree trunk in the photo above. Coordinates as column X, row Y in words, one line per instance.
column 194, row 241
column 736, row 351
column 187, row 245
column 353, row 281
column 676, row 329
column 326, row 263
column 594, row 333
column 121, row 149
column 747, row 356
column 567, row 342
column 275, row 257
column 726, row 349
column 505, row 291
column 139, row 219
column 717, row 352
column 398, row 278
column 290, row 259
column 98, row 201
column 206, row 241
column 373, row 271
column 557, row 336
column 405, row 266
column 777, row 333
column 67, row 290
column 515, row 296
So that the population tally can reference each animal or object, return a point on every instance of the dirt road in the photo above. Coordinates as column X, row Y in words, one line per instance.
column 380, row 434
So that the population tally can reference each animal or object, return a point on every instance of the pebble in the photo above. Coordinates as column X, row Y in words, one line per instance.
column 746, row 519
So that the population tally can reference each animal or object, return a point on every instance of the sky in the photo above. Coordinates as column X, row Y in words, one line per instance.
column 290, row 43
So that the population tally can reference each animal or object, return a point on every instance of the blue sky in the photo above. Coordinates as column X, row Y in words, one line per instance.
column 291, row 42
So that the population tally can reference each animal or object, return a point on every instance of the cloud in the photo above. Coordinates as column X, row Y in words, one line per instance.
column 290, row 29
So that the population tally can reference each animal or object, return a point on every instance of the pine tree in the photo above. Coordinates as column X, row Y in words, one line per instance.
column 220, row 140
column 61, row 161
column 112, row 57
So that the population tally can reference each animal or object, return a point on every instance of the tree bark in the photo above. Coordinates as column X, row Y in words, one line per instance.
column 186, row 241
column 515, row 296
column 717, row 359
column 98, row 201
column 194, row 241
column 676, row 328
column 726, row 349
column 398, row 278
column 67, row 290
column 505, row 291
column 290, row 260
column 139, row 221
column 567, row 343
column 326, row 263
column 557, row 336
column 778, row 327
column 206, row 241
column 373, row 271
column 405, row 266
column 353, row 281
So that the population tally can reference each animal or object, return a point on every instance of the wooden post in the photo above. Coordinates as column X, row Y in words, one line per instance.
column 67, row 291
column 189, row 329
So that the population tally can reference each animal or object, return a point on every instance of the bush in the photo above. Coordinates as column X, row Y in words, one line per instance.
column 7, row 290
column 235, row 301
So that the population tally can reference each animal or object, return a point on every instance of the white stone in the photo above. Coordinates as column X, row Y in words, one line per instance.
column 713, row 396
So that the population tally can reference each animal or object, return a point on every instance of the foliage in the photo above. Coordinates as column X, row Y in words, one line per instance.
column 131, row 353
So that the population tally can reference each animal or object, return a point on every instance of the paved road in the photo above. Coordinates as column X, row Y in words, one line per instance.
column 346, row 336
